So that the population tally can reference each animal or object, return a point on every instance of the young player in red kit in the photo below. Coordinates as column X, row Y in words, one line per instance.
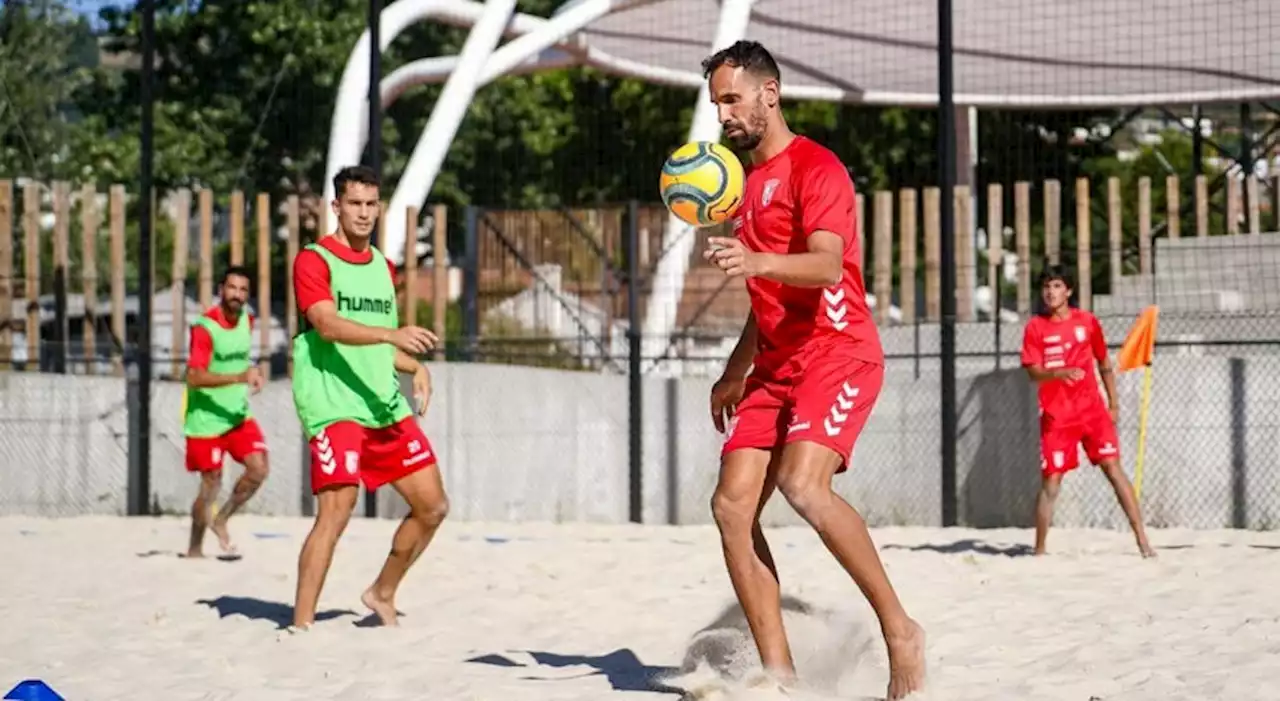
column 1059, row 348
column 814, row 361
column 359, row 426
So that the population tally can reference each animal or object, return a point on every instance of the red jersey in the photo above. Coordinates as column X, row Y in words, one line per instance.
column 202, row 343
column 803, row 189
column 311, row 273
column 1074, row 342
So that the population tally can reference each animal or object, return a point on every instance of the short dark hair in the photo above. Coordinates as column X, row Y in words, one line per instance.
column 363, row 175
column 750, row 56
column 235, row 270
column 1056, row 272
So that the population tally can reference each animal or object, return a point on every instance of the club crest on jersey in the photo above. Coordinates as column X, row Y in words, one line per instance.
column 766, row 196
column 1080, row 334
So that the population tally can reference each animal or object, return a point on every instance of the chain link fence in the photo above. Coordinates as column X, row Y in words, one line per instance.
column 1209, row 456
column 66, row 443
column 546, row 263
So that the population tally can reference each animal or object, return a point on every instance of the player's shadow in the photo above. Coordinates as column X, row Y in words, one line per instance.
column 622, row 668
column 998, row 451
column 259, row 610
column 224, row 557
column 968, row 545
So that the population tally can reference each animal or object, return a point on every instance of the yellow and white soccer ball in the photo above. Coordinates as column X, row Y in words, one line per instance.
column 702, row 183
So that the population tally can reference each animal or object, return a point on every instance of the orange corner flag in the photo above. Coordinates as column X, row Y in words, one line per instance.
column 1139, row 346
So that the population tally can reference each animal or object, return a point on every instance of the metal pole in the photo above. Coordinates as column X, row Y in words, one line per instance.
column 995, row 302
column 62, row 337
column 634, row 386
column 947, row 164
column 136, row 498
column 140, row 485
column 916, row 347
column 375, row 151
column 1197, row 146
column 471, row 285
column 1246, row 151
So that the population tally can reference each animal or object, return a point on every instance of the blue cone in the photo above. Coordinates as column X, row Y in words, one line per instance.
column 33, row 690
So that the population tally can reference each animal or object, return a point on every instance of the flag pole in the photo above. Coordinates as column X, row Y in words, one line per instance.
column 1142, row 431
column 1138, row 351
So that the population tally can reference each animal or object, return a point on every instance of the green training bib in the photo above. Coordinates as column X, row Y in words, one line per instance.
column 335, row 382
column 212, row 411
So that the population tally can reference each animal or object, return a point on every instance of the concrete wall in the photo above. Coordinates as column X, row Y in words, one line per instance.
column 527, row 444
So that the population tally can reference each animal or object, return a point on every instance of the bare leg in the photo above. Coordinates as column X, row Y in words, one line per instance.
column 332, row 514
column 758, row 542
column 428, row 505
column 1129, row 502
column 255, row 473
column 804, row 478
column 1049, row 486
column 744, row 487
column 210, row 485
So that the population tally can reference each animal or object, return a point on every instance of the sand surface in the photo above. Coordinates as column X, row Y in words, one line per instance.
column 103, row 608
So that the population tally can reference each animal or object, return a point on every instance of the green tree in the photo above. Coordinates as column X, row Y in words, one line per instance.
column 243, row 92
column 46, row 54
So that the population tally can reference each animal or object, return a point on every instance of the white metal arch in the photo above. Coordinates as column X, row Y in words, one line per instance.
column 540, row 44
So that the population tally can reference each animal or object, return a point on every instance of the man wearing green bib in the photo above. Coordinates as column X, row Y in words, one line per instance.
column 348, row 397
column 217, row 421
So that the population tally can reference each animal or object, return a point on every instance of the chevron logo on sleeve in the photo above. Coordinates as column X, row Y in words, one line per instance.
column 836, row 308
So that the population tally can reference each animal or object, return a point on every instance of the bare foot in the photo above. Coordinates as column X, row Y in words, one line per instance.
column 219, row 529
column 195, row 554
column 1147, row 551
column 767, row 680
column 292, row 630
column 384, row 609
column 906, row 662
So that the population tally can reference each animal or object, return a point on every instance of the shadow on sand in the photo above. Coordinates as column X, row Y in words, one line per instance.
column 624, row 671
column 259, row 610
column 224, row 557
column 968, row 545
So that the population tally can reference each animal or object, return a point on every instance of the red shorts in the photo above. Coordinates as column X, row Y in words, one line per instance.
column 1060, row 441
column 346, row 453
column 205, row 454
column 828, row 404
